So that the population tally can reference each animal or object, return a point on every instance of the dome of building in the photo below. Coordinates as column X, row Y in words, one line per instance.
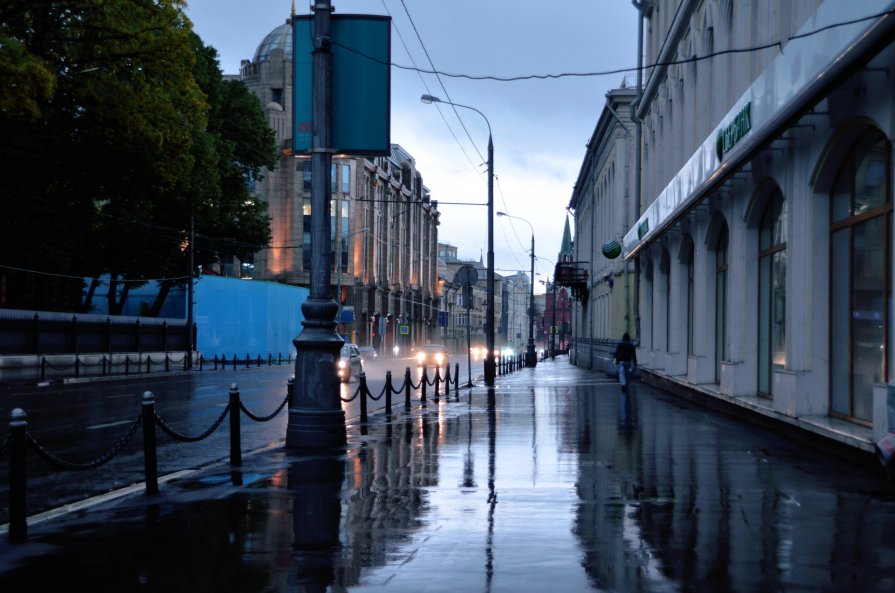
column 279, row 38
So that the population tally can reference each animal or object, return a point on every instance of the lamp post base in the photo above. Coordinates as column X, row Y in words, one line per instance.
column 313, row 429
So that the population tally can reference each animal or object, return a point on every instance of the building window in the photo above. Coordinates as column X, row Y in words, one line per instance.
column 860, row 295
column 691, row 300
column 346, row 179
column 306, row 175
column 721, row 263
column 306, row 235
column 771, row 292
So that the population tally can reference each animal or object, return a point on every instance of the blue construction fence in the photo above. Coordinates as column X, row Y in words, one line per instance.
column 232, row 315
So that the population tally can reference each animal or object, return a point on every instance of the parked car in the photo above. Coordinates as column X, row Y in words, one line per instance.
column 432, row 355
column 350, row 362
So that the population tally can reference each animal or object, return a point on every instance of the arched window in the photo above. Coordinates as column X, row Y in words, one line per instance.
column 860, row 228
column 771, row 292
column 721, row 264
column 686, row 259
column 665, row 287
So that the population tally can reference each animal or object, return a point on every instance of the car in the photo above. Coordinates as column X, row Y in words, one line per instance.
column 432, row 355
column 350, row 362
column 367, row 352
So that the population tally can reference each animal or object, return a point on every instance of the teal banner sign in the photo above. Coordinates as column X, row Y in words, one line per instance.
column 361, row 46
column 734, row 131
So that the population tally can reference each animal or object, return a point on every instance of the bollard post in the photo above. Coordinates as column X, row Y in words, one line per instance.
column 437, row 383
column 457, row 380
column 424, row 380
column 235, row 360
column 104, row 365
column 269, row 359
column 362, row 388
column 43, row 368
column 167, row 362
column 18, row 514
column 388, row 392
column 290, row 390
column 407, row 388
column 127, row 364
column 235, row 440
column 77, row 366
column 248, row 360
column 150, row 460
column 148, row 363
column 258, row 363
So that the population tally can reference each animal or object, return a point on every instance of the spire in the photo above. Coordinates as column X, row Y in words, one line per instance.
column 565, row 251
column 293, row 8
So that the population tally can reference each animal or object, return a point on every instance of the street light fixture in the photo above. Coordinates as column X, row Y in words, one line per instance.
column 490, row 369
column 531, row 357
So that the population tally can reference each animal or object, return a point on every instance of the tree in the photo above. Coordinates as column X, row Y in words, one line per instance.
column 115, row 107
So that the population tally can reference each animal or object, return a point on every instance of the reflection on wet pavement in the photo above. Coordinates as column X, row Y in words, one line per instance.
column 568, row 487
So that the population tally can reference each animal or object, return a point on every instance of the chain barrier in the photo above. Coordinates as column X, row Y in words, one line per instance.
column 353, row 397
column 68, row 465
column 376, row 398
column 264, row 418
column 194, row 439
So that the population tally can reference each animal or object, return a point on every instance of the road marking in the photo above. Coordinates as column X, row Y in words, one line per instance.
column 120, row 396
column 109, row 424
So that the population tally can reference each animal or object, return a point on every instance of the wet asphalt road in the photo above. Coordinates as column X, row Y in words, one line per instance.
column 554, row 482
column 81, row 422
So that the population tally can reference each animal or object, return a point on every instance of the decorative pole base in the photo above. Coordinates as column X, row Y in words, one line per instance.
column 316, row 418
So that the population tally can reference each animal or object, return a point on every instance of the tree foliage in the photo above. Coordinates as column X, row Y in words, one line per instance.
column 119, row 132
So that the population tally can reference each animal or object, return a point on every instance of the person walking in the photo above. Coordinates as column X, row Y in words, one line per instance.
column 625, row 360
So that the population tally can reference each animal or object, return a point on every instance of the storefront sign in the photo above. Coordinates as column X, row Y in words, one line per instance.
column 733, row 132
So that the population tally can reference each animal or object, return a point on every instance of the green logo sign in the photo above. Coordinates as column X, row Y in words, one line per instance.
column 734, row 131
column 643, row 229
column 405, row 330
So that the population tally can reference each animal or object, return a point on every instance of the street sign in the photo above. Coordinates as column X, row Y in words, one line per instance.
column 405, row 330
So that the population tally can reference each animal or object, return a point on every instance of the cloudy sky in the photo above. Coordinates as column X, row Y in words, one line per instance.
column 540, row 127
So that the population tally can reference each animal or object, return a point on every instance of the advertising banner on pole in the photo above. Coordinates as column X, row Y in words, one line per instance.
column 361, row 47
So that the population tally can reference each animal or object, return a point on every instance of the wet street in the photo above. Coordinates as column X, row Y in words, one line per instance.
column 554, row 481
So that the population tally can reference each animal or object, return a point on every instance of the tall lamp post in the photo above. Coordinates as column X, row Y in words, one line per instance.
column 490, row 370
column 316, row 418
column 531, row 357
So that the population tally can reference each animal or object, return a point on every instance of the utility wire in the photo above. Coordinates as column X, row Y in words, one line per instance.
column 695, row 58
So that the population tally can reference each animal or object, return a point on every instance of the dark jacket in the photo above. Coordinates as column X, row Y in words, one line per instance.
column 625, row 351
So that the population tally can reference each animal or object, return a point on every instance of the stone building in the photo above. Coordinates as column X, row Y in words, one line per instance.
column 384, row 222
column 605, row 208
column 764, row 242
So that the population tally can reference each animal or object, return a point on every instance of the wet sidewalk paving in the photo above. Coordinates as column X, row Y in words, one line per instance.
column 554, row 481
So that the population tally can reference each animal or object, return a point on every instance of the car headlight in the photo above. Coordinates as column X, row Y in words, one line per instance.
column 439, row 359
column 420, row 357
column 342, row 364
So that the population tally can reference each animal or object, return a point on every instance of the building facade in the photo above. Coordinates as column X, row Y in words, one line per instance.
column 605, row 207
column 764, row 240
column 383, row 221
column 464, row 311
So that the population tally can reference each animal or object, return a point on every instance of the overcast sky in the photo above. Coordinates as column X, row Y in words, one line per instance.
column 540, row 127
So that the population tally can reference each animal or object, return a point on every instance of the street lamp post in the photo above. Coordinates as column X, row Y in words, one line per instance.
column 316, row 418
column 531, row 357
column 490, row 370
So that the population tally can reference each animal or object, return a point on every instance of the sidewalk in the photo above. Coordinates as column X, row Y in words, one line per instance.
column 554, row 481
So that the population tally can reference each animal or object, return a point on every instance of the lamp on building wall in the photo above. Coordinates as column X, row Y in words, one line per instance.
column 490, row 369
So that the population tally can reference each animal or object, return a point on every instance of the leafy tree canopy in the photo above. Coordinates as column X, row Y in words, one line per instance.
column 118, row 131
